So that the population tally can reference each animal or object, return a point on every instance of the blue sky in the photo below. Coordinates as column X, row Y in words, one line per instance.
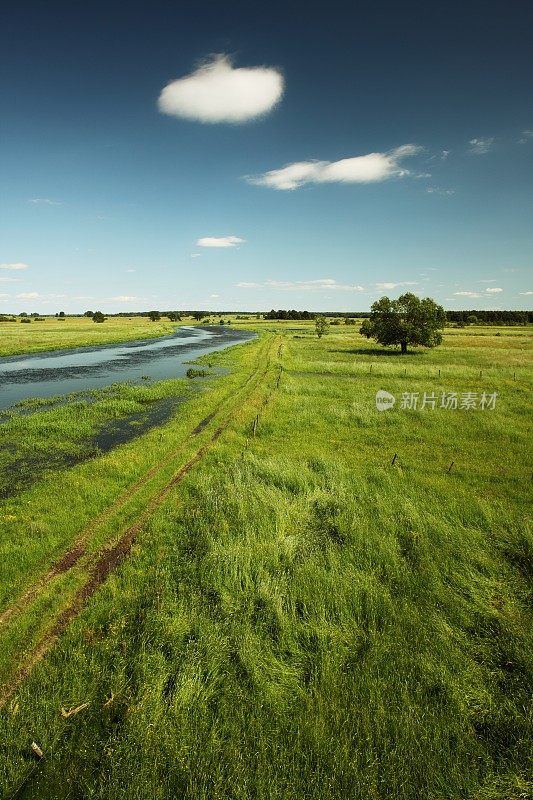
column 236, row 156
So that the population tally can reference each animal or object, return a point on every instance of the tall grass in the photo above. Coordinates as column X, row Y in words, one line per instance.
column 303, row 619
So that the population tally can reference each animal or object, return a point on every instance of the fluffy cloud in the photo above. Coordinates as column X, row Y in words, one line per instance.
column 481, row 146
column 468, row 294
column 525, row 292
column 526, row 137
column 17, row 265
column 220, row 241
column 370, row 168
column 315, row 285
column 219, row 92
column 494, row 290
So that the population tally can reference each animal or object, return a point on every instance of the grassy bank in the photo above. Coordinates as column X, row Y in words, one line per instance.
column 299, row 616
column 54, row 333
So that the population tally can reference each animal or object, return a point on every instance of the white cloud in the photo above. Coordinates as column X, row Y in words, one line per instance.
column 313, row 285
column 214, row 295
column 124, row 298
column 481, row 146
column 370, row 168
column 131, row 270
column 493, row 289
column 488, row 280
column 525, row 292
column 219, row 92
column 437, row 190
column 390, row 285
column 468, row 294
column 195, row 255
column 526, row 137
column 28, row 295
column 44, row 201
column 16, row 266
column 220, row 241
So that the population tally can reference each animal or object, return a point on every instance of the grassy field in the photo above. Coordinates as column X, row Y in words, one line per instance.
column 54, row 333
column 253, row 601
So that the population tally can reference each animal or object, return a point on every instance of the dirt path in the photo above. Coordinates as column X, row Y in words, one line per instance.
column 107, row 560
column 79, row 547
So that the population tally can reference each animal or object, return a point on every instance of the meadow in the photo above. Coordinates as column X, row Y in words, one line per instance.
column 280, row 592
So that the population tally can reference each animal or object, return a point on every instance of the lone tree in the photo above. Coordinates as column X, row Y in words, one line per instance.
column 321, row 326
column 155, row 316
column 407, row 320
column 98, row 317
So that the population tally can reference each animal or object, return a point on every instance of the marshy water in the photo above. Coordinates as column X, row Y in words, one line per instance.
column 67, row 377
column 61, row 372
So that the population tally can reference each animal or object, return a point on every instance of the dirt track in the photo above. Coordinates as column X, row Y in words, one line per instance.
column 108, row 559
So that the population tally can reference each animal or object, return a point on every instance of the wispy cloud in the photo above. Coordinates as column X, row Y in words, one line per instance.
column 219, row 241
column 438, row 190
column 124, row 298
column 525, row 293
column 370, row 168
column 28, row 295
column 195, row 255
column 526, row 136
column 320, row 284
column 493, row 290
column 218, row 92
column 479, row 147
column 391, row 285
column 44, row 201
column 468, row 294
column 16, row 266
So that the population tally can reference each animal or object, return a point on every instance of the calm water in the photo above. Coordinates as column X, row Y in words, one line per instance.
column 63, row 371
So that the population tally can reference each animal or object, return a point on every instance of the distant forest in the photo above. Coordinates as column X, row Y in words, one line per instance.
column 459, row 317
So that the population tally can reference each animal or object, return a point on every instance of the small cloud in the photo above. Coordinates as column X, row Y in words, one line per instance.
column 444, row 154
column 219, row 92
column 44, row 201
column 312, row 285
column 479, row 147
column 370, row 168
column 468, row 294
column 28, row 296
column 124, row 298
column 390, row 285
column 131, row 270
column 525, row 293
column 527, row 136
column 16, row 266
column 438, row 190
column 214, row 295
column 221, row 241
column 488, row 280
column 195, row 255
column 493, row 289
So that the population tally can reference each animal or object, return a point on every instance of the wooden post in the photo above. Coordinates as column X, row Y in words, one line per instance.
column 394, row 459
column 450, row 467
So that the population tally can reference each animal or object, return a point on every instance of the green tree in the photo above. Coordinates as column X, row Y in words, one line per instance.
column 407, row 320
column 98, row 317
column 199, row 315
column 89, row 314
column 321, row 326
column 154, row 315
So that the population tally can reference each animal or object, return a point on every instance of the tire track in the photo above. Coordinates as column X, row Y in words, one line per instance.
column 79, row 548
column 108, row 560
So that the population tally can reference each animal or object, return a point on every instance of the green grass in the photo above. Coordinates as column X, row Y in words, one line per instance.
column 301, row 618
column 55, row 334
